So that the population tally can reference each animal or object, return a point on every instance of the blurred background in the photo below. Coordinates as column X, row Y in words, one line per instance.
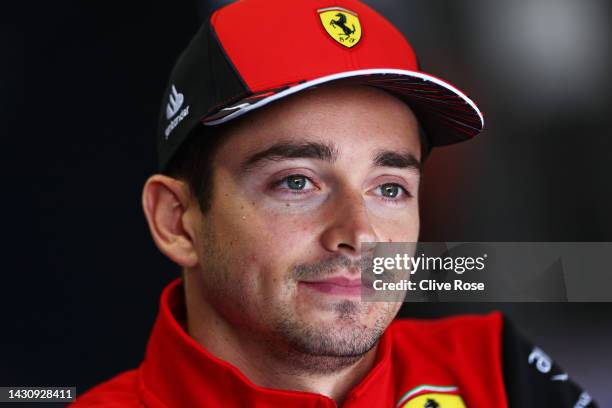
column 82, row 276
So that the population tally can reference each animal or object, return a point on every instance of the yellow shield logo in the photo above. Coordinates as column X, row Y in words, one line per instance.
column 342, row 25
column 434, row 400
column 431, row 396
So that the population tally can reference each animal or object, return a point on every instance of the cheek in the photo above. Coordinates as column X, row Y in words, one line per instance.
column 260, row 243
column 403, row 228
column 250, row 229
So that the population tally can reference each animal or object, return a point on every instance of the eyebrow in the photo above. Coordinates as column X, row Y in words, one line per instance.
column 400, row 160
column 287, row 150
column 326, row 152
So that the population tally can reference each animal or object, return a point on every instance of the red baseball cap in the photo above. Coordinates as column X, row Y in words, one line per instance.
column 253, row 52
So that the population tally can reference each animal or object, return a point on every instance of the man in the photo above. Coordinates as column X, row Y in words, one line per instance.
column 292, row 133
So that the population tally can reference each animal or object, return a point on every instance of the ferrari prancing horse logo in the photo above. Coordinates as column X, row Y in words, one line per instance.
column 342, row 25
column 431, row 396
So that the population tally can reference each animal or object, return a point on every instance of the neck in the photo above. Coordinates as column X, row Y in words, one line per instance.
column 268, row 364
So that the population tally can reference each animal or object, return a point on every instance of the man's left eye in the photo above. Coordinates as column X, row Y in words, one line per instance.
column 391, row 190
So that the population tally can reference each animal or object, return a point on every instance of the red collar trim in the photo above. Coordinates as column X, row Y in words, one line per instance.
column 177, row 371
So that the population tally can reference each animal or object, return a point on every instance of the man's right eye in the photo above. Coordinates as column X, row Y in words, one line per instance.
column 296, row 182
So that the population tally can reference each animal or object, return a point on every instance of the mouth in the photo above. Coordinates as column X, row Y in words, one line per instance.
column 337, row 286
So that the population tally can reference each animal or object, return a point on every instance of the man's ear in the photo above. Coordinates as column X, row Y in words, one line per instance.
column 169, row 210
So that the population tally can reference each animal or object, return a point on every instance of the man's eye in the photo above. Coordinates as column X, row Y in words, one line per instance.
column 392, row 190
column 295, row 182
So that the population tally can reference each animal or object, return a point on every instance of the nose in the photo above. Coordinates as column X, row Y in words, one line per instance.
column 349, row 226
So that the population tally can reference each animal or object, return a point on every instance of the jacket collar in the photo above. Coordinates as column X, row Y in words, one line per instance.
column 178, row 372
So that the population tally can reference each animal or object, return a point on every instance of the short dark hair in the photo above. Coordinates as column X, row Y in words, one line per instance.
column 193, row 162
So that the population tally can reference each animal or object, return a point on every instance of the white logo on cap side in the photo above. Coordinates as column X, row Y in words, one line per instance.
column 175, row 102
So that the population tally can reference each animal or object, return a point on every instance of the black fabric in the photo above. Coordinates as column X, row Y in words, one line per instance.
column 227, row 84
column 207, row 79
column 532, row 379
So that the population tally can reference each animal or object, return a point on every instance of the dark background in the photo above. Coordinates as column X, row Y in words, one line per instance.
column 81, row 274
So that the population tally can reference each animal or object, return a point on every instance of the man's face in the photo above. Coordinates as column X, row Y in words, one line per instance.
column 298, row 186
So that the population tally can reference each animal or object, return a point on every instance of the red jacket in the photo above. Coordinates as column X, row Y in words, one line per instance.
column 444, row 363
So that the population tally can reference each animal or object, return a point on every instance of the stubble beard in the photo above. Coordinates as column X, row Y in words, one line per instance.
column 303, row 347
column 329, row 347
